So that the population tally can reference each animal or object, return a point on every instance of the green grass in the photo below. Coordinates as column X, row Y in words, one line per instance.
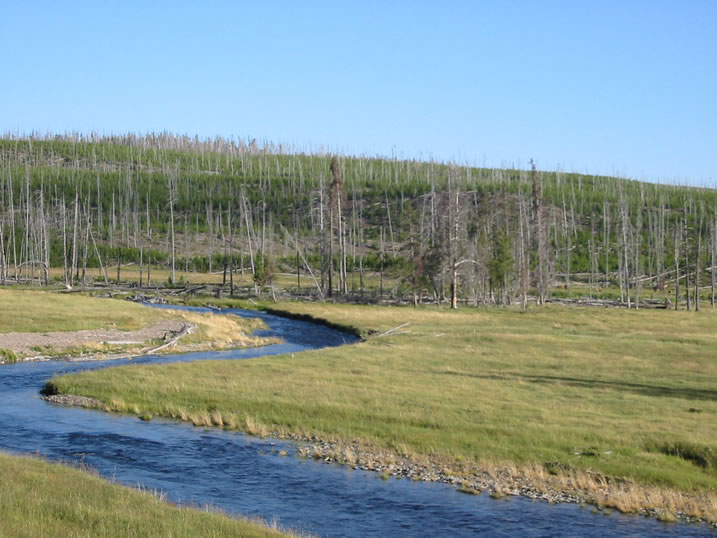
column 43, row 499
column 7, row 355
column 38, row 311
column 599, row 389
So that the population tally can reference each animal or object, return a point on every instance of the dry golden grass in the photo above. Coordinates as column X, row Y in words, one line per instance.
column 221, row 331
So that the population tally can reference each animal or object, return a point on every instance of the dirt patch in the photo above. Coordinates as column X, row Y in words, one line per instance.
column 53, row 343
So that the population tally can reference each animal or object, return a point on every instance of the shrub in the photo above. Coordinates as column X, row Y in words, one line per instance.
column 7, row 355
column 702, row 456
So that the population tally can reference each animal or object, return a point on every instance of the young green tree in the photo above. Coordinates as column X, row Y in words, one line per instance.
column 263, row 269
column 501, row 263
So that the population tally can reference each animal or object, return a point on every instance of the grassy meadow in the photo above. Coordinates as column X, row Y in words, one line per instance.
column 45, row 499
column 624, row 393
column 42, row 311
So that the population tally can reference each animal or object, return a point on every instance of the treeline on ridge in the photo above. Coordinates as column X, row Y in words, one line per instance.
column 438, row 231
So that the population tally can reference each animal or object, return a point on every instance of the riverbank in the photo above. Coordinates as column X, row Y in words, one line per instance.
column 549, row 482
column 49, row 499
column 87, row 328
column 612, row 408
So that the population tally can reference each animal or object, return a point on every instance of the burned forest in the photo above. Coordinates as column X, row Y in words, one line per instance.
column 82, row 210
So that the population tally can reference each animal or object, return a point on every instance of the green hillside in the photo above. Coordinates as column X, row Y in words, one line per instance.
column 493, row 235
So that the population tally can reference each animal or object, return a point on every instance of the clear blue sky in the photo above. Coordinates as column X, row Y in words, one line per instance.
column 625, row 87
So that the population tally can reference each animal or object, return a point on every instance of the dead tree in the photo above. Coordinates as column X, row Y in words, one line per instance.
column 677, row 245
column 541, row 244
column 697, row 258
column 625, row 244
column 336, row 188
column 172, row 186
column 713, row 256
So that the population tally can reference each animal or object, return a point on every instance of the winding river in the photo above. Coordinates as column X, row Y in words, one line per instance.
column 246, row 475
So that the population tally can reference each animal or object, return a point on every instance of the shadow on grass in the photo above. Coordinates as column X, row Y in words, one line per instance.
column 637, row 388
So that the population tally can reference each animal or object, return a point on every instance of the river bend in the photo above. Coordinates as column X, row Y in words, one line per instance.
column 247, row 475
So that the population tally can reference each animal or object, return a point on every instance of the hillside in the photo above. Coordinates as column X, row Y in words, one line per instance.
column 406, row 229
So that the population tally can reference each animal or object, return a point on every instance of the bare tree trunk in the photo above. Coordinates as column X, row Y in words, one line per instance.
column 3, row 265
column 541, row 277
column 64, row 243
column 210, row 234
column 606, row 241
column 342, row 247
column 523, row 261
column 172, row 187
column 390, row 226
column 330, row 290
column 245, row 210
column 454, row 195
column 225, row 264
column 360, row 246
column 567, row 235
column 186, row 250
column 677, row 241
column 45, row 240
column 713, row 249
column 26, row 244
column 149, row 246
column 99, row 258
column 119, row 262
column 687, row 261
column 637, row 261
column 322, row 233
column 296, row 244
column 74, row 243
column 697, row 261
column 454, row 286
column 625, row 247
column 13, row 236
column 230, row 223
column 383, row 256
column 85, row 250
column 308, row 267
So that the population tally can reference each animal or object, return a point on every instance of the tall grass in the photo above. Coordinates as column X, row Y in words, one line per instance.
column 42, row 499
column 45, row 311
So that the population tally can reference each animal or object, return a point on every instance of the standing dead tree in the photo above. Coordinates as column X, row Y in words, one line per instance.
column 541, row 242
column 336, row 204
column 523, row 259
column 454, row 228
column 172, row 186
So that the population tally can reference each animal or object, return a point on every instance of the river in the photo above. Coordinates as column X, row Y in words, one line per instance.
column 246, row 475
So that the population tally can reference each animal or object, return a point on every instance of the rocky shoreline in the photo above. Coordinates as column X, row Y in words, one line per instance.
column 498, row 481
column 73, row 401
